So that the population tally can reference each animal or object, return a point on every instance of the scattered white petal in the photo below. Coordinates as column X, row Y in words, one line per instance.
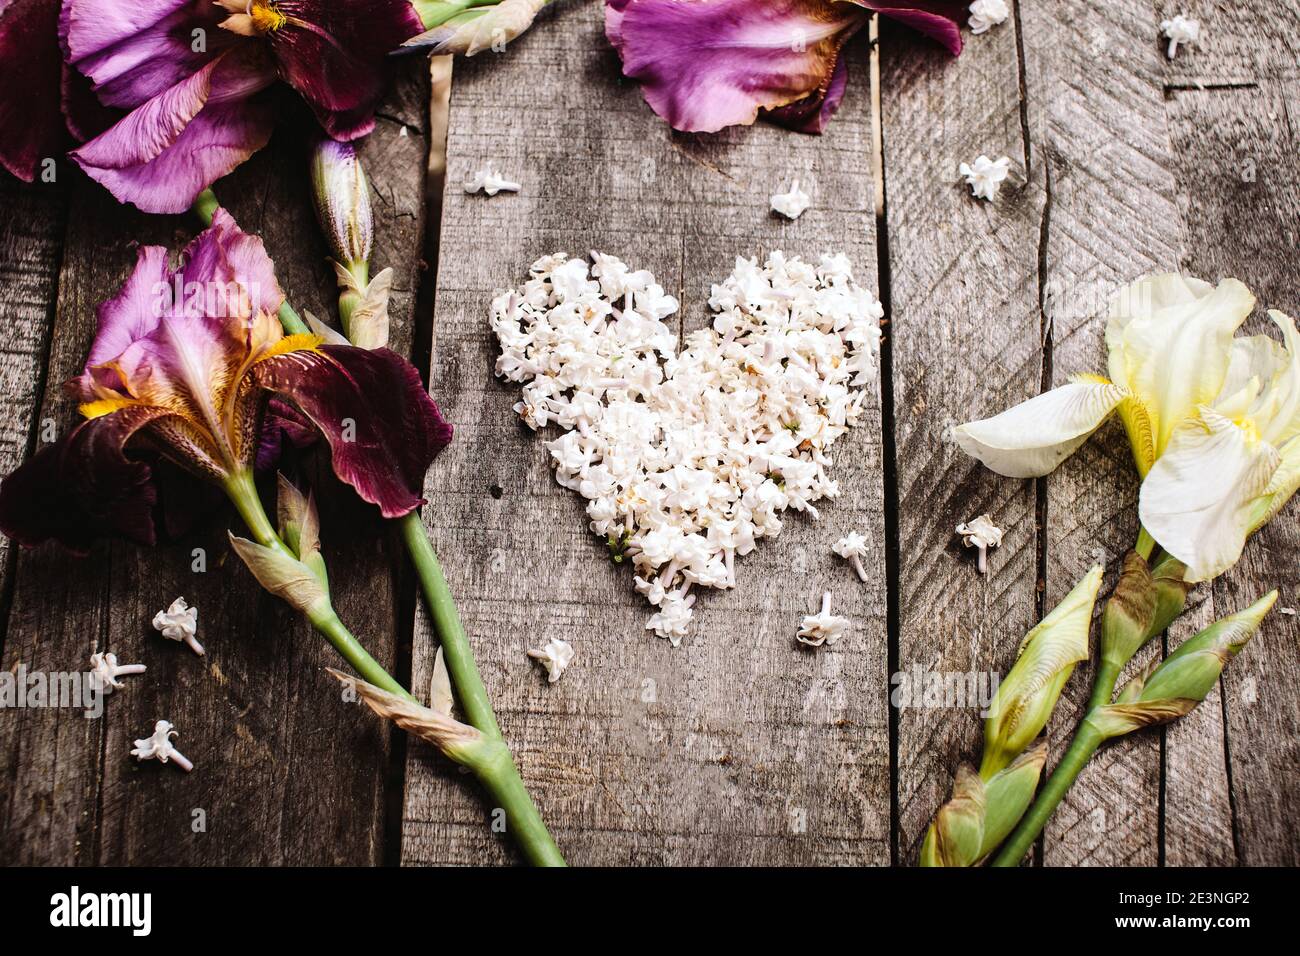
column 981, row 533
column 687, row 458
column 985, row 176
column 180, row 622
column 105, row 671
column 489, row 181
column 159, row 747
column 555, row 656
column 403, row 131
column 1289, row 611
column 1181, row 29
column 792, row 204
column 853, row 547
column 986, row 14
column 823, row 627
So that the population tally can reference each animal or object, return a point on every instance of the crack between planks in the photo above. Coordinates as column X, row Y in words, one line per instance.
column 408, row 603
column 889, row 448
column 1045, row 333
column 1227, row 765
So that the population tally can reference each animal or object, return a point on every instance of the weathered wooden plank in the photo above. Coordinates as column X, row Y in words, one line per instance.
column 31, row 245
column 964, row 343
column 1238, row 176
column 285, row 774
column 1096, row 114
column 738, row 747
column 1242, row 42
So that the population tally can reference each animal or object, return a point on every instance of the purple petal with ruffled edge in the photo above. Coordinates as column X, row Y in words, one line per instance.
column 938, row 19
column 165, row 152
column 708, row 64
column 224, row 257
column 133, row 52
column 83, row 487
column 382, row 427
column 130, row 315
column 31, row 127
column 336, row 56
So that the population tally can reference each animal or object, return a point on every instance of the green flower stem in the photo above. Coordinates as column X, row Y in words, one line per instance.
column 455, row 645
column 243, row 493
column 1146, row 545
column 498, row 773
column 349, row 300
column 1084, row 745
column 492, row 761
column 1103, row 685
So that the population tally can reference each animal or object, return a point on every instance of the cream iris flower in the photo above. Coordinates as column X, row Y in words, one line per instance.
column 1212, row 419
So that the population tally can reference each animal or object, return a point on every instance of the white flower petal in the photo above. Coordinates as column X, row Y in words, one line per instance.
column 1278, row 413
column 1170, row 341
column 1255, row 361
column 1032, row 438
column 1197, row 501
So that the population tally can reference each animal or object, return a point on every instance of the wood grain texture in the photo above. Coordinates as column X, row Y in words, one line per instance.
column 1243, row 42
column 31, row 246
column 740, row 747
column 1095, row 109
column 285, row 772
column 965, row 343
column 1238, row 177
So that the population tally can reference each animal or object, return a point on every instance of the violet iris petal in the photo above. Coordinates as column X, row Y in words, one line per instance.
column 938, row 19
column 168, row 150
column 336, row 56
column 707, row 64
column 382, row 427
column 31, row 126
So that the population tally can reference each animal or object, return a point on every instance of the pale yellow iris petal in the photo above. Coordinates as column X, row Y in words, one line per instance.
column 1199, row 500
column 1171, row 341
column 1032, row 438
column 1278, row 411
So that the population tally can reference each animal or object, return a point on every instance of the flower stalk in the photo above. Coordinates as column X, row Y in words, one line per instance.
column 1170, row 689
column 481, row 746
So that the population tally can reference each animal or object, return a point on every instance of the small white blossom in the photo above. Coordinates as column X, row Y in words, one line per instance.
column 792, row 204
column 180, row 622
column 688, row 453
column 105, row 671
column 159, row 747
column 488, row 180
column 981, row 533
column 674, row 618
column 1288, row 611
column 986, row 14
column 852, row 547
column 985, row 176
column 555, row 656
column 823, row 627
column 1181, row 29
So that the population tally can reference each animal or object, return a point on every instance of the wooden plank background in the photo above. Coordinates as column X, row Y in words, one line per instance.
column 738, row 747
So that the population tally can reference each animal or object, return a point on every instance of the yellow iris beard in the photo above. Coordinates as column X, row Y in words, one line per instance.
column 266, row 19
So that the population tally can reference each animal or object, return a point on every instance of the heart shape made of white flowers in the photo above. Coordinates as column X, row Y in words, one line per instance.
column 686, row 460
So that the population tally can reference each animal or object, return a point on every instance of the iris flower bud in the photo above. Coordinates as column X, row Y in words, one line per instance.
column 1176, row 685
column 1048, row 655
column 342, row 198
